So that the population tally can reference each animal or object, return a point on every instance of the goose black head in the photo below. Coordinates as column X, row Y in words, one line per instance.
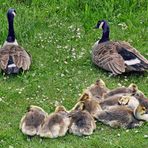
column 101, row 24
column 11, row 13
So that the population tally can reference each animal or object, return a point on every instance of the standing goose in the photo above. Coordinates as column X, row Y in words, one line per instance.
column 13, row 58
column 116, row 56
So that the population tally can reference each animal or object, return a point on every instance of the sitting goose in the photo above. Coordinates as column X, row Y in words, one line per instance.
column 13, row 58
column 116, row 56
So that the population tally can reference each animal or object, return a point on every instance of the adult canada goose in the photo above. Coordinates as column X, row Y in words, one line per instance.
column 56, row 124
column 116, row 56
column 82, row 123
column 13, row 58
column 32, row 120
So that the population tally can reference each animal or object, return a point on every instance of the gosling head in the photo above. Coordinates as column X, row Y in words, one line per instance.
column 100, row 83
column 85, row 96
column 60, row 109
column 133, row 87
column 124, row 100
column 141, row 109
column 141, row 113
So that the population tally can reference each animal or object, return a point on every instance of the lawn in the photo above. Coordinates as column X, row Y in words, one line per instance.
column 59, row 35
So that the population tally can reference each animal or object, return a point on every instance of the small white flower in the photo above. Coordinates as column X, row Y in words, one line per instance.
column 65, row 62
column 62, row 75
column 145, row 136
column 136, row 131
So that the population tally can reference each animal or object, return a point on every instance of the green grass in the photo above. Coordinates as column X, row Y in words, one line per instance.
column 59, row 35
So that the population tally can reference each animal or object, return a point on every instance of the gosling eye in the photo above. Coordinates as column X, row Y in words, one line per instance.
column 143, row 108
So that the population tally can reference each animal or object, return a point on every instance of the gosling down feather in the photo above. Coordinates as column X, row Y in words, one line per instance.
column 82, row 123
column 116, row 56
column 32, row 120
column 13, row 58
column 56, row 124
column 121, row 117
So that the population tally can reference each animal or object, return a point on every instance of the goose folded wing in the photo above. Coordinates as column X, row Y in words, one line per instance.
column 4, row 57
column 132, row 58
column 111, row 61
column 20, row 57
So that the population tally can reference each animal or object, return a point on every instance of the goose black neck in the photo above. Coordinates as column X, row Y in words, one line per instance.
column 105, row 35
column 11, row 33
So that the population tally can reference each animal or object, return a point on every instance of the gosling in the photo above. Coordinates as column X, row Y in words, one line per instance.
column 32, row 120
column 82, row 123
column 56, row 124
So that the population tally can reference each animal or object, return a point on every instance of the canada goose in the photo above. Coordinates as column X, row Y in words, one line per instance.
column 116, row 56
column 82, row 123
column 98, row 89
column 122, row 91
column 90, row 104
column 120, row 117
column 32, row 120
column 56, row 124
column 13, row 58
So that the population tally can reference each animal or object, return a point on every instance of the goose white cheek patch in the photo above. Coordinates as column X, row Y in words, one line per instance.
column 14, row 13
column 132, row 62
column 101, row 25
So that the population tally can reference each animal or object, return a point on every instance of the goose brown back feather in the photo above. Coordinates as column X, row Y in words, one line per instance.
column 20, row 57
